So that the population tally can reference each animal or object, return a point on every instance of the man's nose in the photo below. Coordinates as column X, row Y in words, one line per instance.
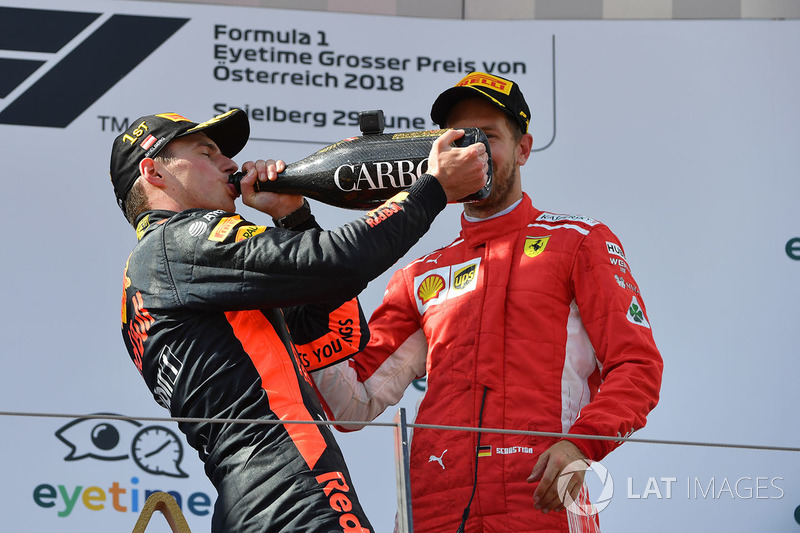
column 229, row 166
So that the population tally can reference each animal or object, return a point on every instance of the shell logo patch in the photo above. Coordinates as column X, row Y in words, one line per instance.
column 438, row 285
column 430, row 288
column 535, row 245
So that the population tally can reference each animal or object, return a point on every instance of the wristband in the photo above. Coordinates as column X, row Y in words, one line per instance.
column 295, row 218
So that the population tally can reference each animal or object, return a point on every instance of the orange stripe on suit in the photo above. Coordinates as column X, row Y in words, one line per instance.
column 279, row 379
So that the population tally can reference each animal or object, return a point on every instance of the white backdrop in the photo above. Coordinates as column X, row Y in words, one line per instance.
column 682, row 136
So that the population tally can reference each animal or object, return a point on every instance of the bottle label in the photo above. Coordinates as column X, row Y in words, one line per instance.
column 379, row 175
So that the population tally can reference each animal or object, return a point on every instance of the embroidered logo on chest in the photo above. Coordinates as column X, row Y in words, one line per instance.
column 430, row 288
column 535, row 245
column 464, row 276
column 440, row 284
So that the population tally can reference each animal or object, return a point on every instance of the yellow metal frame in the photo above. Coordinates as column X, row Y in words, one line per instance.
column 164, row 502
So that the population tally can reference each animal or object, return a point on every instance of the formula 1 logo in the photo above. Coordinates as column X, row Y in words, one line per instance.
column 55, row 64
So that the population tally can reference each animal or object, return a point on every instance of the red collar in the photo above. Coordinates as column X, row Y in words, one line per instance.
column 477, row 233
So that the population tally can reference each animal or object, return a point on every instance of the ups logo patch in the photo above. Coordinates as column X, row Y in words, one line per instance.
column 463, row 277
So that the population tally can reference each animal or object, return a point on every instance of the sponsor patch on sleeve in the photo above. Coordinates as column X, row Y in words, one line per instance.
column 245, row 232
column 623, row 282
column 635, row 314
column 614, row 249
column 223, row 228
column 387, row 209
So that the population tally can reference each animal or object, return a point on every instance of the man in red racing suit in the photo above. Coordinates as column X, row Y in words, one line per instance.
column 530, row 321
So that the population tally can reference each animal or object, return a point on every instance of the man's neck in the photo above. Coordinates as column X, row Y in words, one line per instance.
column 471, row 217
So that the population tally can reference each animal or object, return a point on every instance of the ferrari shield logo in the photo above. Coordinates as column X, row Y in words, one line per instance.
column 535, row 245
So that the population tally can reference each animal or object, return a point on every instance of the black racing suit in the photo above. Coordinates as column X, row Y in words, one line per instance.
column 223, row 318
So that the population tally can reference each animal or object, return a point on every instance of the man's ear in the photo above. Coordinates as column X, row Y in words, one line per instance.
column 525, row 147
column 147, row 168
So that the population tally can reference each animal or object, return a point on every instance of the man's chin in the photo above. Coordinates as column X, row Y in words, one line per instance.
column 480, row 209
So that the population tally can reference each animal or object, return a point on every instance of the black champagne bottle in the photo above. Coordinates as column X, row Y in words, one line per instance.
column 363, row 172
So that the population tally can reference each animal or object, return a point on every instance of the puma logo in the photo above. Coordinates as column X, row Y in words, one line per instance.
column 438, row 459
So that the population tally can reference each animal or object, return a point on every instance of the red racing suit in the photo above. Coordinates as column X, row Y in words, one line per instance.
column 538, row 311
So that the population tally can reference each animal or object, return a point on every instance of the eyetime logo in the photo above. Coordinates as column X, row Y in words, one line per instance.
column 55, row 64
column 155, row 449
column 64, row 498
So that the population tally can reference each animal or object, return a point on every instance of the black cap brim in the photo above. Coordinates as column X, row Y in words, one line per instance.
column 449, row 98
column 229, row 131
